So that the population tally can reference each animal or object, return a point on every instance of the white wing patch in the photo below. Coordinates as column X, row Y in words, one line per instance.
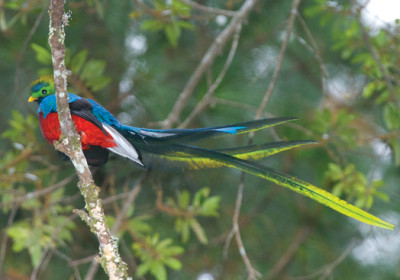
column 155, row 133
column 123, row 148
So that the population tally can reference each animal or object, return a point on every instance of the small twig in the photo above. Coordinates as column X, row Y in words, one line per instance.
column 293, row 14
column 50, row 250
column 18, row 200
column 82, row 261
column 300, row 236
column 128, row 203
column 326, row 270
column 207, row 97
column 253, row 274
column 317, row 53
column 70, row 263
column 170, row 210
column 35, row 272
column 209, row 9
column 25, row 154
column 235, row 232
column 45, row 261
column 23, row 49
column 206, row 62
column 231, row 103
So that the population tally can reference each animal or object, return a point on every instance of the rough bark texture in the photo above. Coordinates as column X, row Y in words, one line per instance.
column 69, row 143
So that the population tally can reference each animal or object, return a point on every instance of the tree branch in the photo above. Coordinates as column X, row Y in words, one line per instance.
column 129, row 202
column 253, row 274
column 69, row 143
column 209, row 10
column 299, row 237
column 293, row 14
column 206, row 62
column 209, row 94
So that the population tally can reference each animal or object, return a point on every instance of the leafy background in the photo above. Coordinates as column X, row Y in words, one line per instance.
column 339, row 77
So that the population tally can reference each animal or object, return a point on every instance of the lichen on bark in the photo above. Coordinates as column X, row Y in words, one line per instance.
column 69, row 143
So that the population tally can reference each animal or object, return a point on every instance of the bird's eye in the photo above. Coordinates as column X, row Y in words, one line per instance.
column 44, row 91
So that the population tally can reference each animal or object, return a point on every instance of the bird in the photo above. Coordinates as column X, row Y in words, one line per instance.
column 100, row 133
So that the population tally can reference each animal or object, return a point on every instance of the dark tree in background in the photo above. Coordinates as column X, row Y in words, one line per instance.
column 164, row 64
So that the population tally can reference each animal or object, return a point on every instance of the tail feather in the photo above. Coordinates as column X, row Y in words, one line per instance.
column 254, row 152
column 191, row 135
column 123, row 146
column 198, row 158
column 168, row 145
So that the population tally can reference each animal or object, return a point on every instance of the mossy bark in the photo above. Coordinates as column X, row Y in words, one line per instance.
column 69, row 143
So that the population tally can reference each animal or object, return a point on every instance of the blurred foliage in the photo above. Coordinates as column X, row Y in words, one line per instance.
column 167, row 16
column 90, row 72
column 352, row 183
column 336, row 126
column 46, row 224
column 340, row 77
column 186, row 213
column 155, row 254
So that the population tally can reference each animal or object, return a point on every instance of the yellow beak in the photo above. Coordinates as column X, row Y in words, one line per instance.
column 31, row 99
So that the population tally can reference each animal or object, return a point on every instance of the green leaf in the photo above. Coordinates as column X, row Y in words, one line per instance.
column 210, row 207
column 199, row 197
column 152, row 25
column 380, row 39
column 97, row 83
column 199, row 231
column 173, row 263
column 334, row 172
column 78, row 60
column 45, row 71
column 369, row 90
column 181, row 9
column 163, row 244
column 139, row 225
column 43, row 55
column 20, row 233
column 35, row 251
column 13, row 5
column 391, row 116
column 173, row 31
column 92, row 69
column 174, row 250
column 182, row 226
column 143, row 268
column 155, row 254
column 186, row 25
column 382, row 196
column 184, row 199
column 159, row 271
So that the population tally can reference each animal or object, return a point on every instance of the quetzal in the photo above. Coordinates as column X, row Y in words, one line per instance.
column 100, row 132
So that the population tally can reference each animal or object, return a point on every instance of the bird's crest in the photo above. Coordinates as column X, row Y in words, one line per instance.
column 41, row 81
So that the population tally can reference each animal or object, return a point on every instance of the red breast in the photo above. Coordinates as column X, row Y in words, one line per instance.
column 90, row 134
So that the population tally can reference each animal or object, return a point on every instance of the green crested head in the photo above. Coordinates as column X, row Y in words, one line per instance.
column 41, row 88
